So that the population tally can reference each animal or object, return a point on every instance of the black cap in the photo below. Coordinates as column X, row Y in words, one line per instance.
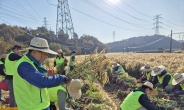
column 73, row 51
column 16, row 46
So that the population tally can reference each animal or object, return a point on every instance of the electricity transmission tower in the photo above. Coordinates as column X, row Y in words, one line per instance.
column 64, row 20
column 45, row 23
column 157, row 22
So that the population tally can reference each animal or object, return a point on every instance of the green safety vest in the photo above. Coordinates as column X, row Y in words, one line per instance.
column 148, row 75
column 70, row 63
column 27, row 96
column 1, row 76
column 182, row 86
column 122, row 69
column 131, row 102
column 160, row 79
column 9, row 65
column 53, row 93
column 59, row 61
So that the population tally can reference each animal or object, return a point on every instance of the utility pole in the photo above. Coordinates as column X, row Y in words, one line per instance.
column 157, row 22
column 64, row 20
column 45, row 22
column 171, row 42
column 113, row 36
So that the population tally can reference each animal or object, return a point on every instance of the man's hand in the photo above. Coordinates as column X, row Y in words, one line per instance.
column 67, row 80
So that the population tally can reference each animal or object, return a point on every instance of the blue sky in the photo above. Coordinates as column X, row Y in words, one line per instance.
column 171, row 10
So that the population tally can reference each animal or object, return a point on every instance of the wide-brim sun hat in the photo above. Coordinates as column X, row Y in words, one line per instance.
column 40, row 44
column 146, row 68
column 150, row 85
column 177, row 78
column 60, row 51
column 74, row 89
column 157, row 70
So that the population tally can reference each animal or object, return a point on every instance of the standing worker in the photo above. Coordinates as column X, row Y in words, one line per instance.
column 72, row 61
column 59, row 60
column 138, row 99
column 30, row 83
column 10, row 61
column 2, row 71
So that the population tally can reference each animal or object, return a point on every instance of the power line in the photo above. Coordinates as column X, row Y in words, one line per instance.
column 173, row 23
column 91, row 4
column 25, row 10
column 120, row 10
column 33, row 9
column 51, row 3
column 172, row 27
column 104, row 21
column 135, row 9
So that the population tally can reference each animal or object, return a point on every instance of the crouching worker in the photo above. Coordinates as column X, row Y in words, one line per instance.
column 117, row 69
column 60, row 94
column 29, row 82
column 163, row 79
column 146, row 70
column 138, row 99
column 179, row 82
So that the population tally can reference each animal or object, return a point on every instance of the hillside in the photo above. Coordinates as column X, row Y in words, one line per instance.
column 143, row 43
column 11, row 35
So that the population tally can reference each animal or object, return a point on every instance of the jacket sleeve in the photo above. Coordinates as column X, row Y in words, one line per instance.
column 34, row 77
column 2, row 70
column 14, row 57
column 73, row 58
column 62, row 100
column 143, row 78
column 166, row 80
column 145, row 102
column 155, row 80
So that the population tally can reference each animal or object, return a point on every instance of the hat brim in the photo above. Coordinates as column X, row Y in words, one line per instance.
column 156, row 73
column 76, row 94
column 153, row 92
column 175, row 82
column 145, row 69
column 43, row 50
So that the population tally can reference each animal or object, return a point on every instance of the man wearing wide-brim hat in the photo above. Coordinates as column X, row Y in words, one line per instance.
column 178, row 80
column 138, row 99
column 117, row 69
column 30, row 83
column 163, row 79
column 146, row 70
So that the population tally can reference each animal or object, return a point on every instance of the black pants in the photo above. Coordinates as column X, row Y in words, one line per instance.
column 52, row 106
column 71, row 68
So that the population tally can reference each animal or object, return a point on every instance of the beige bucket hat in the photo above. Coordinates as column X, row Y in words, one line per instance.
column 115, row 65
column 59, row 51
column 150, row 85
column 40, row 44
column 146, row 68
column 177, row 78
column 74, row 89
column 157, row 70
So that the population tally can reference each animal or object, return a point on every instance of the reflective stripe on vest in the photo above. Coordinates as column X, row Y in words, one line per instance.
column 9, row 65
column 160, row 79
column 71, row 64
column 1, row 76
column 131, row 102
column 27, row 96
column 148, row 75
column 59, row 61
column 182, row 86
column 53, row 93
